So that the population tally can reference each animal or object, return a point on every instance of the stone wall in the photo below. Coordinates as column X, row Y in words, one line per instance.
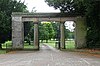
column 80, row 32
column 18, row 29
column 17, row 32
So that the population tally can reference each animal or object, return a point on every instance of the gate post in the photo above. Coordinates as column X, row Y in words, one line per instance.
column 62, row 36
column 36, row 39
column 17, row 32
column 80, row 32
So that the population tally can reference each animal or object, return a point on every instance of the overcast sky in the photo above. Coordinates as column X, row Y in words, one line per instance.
column 39, row 5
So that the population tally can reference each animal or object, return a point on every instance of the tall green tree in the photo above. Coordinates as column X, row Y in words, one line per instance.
column 28, row 31
column 46, row 31
column 67, row 33
column 88, row 8
column 93, row 23
column 6, row 9
column 69, row 6
column 56, row 27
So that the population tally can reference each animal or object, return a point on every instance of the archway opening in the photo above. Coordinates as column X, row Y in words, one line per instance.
column 19, row 18
column 69, row 34
column 49, row 33
column 28, row 35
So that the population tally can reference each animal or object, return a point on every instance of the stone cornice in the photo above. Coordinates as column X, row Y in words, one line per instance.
column 43, row 15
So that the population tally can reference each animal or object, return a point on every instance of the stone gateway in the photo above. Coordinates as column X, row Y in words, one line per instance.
column 19, row 18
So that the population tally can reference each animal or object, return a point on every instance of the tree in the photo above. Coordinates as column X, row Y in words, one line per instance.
column 28, row 31
column 69, row 6
column 56, row 28
column 46, row 31
column 43, row 32
column 4, row 28
column 88, row 8
column 6, row 9
column 31, row 33
column 67, row 33
column 93, row 24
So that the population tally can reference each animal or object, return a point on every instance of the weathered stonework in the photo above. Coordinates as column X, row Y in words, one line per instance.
column 18, row 30
column 36, row 40
column 62, row 39
column 80, row 33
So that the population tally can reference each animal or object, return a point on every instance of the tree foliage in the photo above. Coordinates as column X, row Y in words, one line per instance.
column 46, row 31
column 6, row 9
column 28, row 31
column 88, row 8
column 56, row 27
column 93, row 23
column 69, row 6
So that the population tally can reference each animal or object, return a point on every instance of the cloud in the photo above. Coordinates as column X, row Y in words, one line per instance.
column 39, row 5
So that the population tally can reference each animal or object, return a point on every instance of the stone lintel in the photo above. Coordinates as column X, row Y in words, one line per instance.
column 39, row 15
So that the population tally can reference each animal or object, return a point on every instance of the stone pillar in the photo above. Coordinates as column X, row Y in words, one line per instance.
column 36, row 40
column 22, row 34
column 17, row 33
column 80, row 33
column 62, row 36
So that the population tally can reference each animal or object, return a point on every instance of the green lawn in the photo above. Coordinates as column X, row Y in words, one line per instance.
column 8, row 45
column 70, row 44
column 51, row 43
column 27, row 46
column 2, row 51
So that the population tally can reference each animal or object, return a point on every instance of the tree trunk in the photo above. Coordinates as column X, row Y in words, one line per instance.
column 29, row 43
column 46, row 41
column 0, row 46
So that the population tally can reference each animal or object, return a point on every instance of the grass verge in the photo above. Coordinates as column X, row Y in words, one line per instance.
column 27, row 46
column 68, row 44
column 2, row 51
column 8, row 45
